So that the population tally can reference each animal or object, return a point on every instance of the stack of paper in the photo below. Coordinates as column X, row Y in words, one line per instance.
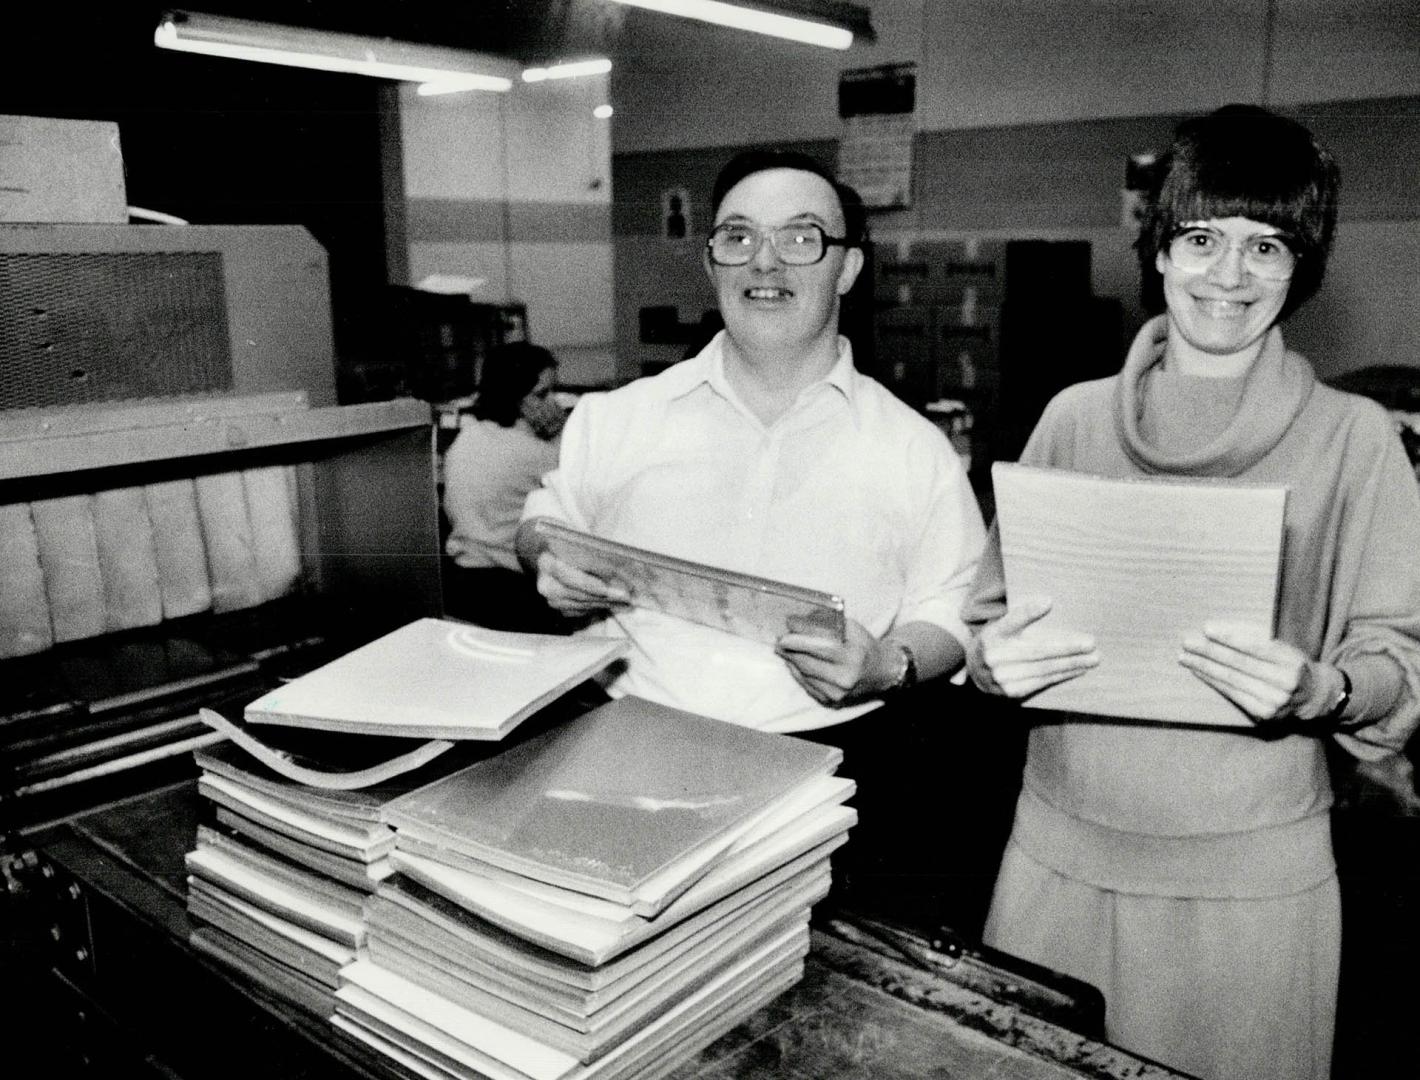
column 299, row 842
column 438, row 679
column 278, row 885
column 1139, row 564
column 287, row 927
column 602, row 900
column 335, row 833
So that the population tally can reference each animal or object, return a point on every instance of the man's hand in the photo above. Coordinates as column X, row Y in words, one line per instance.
column 574, row 592
column 566, row 589
column 1009, row 659
column 1266, row 678
column 837, row 673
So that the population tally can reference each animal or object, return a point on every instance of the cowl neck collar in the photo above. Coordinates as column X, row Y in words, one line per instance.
column 1274, row 391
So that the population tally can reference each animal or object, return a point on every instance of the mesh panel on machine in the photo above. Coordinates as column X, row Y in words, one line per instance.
column 96, row 326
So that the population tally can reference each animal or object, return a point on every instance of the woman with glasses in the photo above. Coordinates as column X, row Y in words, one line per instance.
column 1188, row 872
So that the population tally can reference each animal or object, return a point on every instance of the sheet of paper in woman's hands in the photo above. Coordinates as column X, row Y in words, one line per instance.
column 1140, row 564
column 437, row 679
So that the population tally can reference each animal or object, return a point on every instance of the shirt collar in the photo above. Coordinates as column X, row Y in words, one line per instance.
column 708, row 368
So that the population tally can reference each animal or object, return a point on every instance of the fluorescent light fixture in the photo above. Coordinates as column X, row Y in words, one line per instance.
column 603, row 112
column 814, row 22
column 444, row 86
column 452, row 70
column 572, row 70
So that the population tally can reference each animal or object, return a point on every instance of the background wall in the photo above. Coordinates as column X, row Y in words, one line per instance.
column 511, row 191
column 988, row 63
column 1026, row 112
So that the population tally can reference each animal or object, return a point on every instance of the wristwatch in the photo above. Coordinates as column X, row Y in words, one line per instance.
column 1334, row 714
column 907, row 667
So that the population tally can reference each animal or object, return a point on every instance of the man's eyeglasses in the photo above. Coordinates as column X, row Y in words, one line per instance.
column 1196, row 248
column 734, row 244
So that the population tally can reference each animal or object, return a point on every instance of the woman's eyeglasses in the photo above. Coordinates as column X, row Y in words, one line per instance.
column 735, row 244
column 1196, row 248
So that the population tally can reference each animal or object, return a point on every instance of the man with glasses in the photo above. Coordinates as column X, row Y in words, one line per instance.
column 769, row 454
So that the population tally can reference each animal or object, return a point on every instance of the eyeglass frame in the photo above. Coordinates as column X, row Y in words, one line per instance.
column 1228, row 245
column 763, row 232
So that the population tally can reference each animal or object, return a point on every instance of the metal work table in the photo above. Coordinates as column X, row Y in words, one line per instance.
column 109, row 982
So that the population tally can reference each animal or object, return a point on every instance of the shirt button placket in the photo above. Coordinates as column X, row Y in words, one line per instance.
column 759, row 490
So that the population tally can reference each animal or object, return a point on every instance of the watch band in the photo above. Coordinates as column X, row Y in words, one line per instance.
column 907, row 670
column 1337, row 710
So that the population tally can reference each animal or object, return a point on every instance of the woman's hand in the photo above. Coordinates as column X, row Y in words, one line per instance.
column 574, row 592
column 837, row 673
column 1266, row 678
column 1009, row 659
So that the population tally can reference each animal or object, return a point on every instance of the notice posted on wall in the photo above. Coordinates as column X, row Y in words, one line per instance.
column 1141, row 175
column 877, row 106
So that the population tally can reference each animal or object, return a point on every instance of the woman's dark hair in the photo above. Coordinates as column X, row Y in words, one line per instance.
column 507, row 375
column 749, row 162
column 1244, row 161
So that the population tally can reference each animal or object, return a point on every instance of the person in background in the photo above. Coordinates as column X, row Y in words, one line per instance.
column 1188, row 872
column 499, row 455
column 769, row 454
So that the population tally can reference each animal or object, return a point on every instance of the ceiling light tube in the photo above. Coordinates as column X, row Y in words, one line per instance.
column 443, row 86
column 269, row 43
column 572, row 70
column 757, row 20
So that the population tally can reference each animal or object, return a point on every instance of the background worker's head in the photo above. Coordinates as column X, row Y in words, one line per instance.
column 784, row 247
column 515, row 382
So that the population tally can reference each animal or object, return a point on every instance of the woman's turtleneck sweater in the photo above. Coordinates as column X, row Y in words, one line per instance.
column 1164, row 810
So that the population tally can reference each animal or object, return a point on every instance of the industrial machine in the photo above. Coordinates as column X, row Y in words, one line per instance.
column 102, row 313
column 185, row 513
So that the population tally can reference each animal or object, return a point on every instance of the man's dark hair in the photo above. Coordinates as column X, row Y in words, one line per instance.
column 508, row 374
column 749, row 162
column 1244, row 161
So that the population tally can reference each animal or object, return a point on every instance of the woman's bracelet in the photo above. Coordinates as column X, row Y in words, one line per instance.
column 1333, row 717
